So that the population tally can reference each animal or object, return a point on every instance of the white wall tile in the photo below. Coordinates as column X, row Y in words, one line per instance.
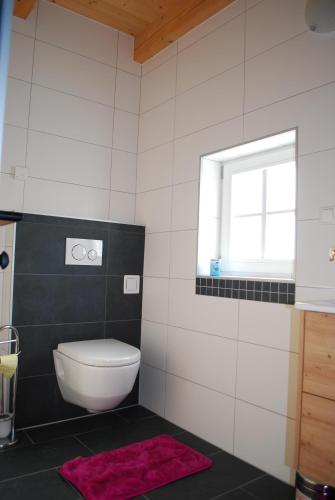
column 57, row 198
column 183, row 254
column 313, row 113
column 201, row 358
column 70, row 116
column 11, row 193
column 122, row 207
column 125, row 55
column 14, row 148
column 316, row 184
column 313, row 267
column 269, row 24
column 153, row 344
column 208, row 414
column 56, row 158
column 212, row 55
column 67, row 72
column 272, row 325
column 125, row 131
column 155, row 299
column 185, row 206
column 304, row 293
column 267, row 378
column 157, row 255
column 266, row 82
column 264, row 439
column 26, row 26
column 123, row 177
column 152, row 389
column 79, row 34
column 21, row 57
column 17, row 103
column 153, row 209
column 212, row 23
column 189, row 149
column 154, row 168
column 214, row 315
column 205, row 104
column 160, row 58
column 156, row 126
column 159, row 85
column 127, row 95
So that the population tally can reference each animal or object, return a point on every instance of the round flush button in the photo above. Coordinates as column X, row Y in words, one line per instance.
column 78, row 252
column 92, row 254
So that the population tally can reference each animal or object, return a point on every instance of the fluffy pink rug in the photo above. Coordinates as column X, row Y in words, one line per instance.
column 133, row 470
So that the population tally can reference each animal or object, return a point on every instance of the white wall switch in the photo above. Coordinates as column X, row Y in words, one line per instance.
column 79, row 252
column 131, row 284
column 20, row 173
column 327, row 215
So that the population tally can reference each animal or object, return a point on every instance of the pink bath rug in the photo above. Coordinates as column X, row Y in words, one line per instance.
column 133, row 470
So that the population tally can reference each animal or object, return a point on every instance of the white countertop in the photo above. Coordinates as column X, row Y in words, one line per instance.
column 325, row 306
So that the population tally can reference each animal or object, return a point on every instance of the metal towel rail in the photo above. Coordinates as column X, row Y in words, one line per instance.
column 8, row 392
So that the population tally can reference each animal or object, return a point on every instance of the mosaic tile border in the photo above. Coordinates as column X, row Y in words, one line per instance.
column 276, row 292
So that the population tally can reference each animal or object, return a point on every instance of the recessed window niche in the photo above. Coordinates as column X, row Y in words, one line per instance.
column 247, row 219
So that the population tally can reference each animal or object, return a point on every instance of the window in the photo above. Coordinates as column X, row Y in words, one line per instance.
column 247, row 209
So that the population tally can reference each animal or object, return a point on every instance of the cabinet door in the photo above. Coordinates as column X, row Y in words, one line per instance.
column 319, row 355
column 317, row 439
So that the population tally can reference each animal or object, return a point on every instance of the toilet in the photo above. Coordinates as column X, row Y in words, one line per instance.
column 96, row 374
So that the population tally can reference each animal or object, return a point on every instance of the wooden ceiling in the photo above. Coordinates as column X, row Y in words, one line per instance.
column 155, row 24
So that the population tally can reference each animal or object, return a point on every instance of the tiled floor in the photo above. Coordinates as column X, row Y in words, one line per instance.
column 29, row 472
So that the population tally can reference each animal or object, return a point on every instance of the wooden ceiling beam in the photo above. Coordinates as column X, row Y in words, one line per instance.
column 174, row 23
column 106, row 12
column 22, row 8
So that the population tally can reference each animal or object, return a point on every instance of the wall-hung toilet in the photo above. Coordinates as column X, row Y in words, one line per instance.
column 96, row 374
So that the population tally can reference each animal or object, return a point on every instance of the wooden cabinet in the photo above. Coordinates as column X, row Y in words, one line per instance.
column 316, row 411
column 319, row 355
column 317, row 438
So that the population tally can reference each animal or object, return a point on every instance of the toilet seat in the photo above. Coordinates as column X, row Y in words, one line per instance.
column 101, row 352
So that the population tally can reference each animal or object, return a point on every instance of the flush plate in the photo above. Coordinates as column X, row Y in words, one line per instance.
column 80, row 252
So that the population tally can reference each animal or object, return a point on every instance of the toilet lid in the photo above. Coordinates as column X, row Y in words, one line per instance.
column 102, row 352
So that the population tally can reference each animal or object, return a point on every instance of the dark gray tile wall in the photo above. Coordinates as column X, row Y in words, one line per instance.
column 54, row 303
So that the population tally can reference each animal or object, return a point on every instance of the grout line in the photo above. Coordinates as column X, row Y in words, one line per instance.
column 28, row 474
column 116, row 67
column 268, row 105
column 112, row 135
column 222, row 393
column 80, row 323
column 69, row 183
column 29, row 111
column 244, row 67
column 75, row 436
column 138, row 142
column 222, row 495
column 232, row 339
column 64, row 92
column 30, row 439
column 108, row 147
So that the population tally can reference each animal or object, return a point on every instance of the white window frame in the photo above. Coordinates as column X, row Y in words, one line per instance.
column 282, row 269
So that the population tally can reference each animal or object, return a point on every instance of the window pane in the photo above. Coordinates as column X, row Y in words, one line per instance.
column 280, row 188
column 280, row 236
column 245, row 238
column 246, row 192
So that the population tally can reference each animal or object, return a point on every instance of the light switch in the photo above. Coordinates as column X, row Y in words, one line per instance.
column 131, row 284
column 327, row 215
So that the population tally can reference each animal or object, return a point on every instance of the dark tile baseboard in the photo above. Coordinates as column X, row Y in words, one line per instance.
column 276, row 292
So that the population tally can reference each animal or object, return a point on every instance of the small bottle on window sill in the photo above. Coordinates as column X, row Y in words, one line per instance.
column 215, row 267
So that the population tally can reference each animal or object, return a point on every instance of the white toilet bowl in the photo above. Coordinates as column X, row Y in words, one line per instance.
column 96, row 374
